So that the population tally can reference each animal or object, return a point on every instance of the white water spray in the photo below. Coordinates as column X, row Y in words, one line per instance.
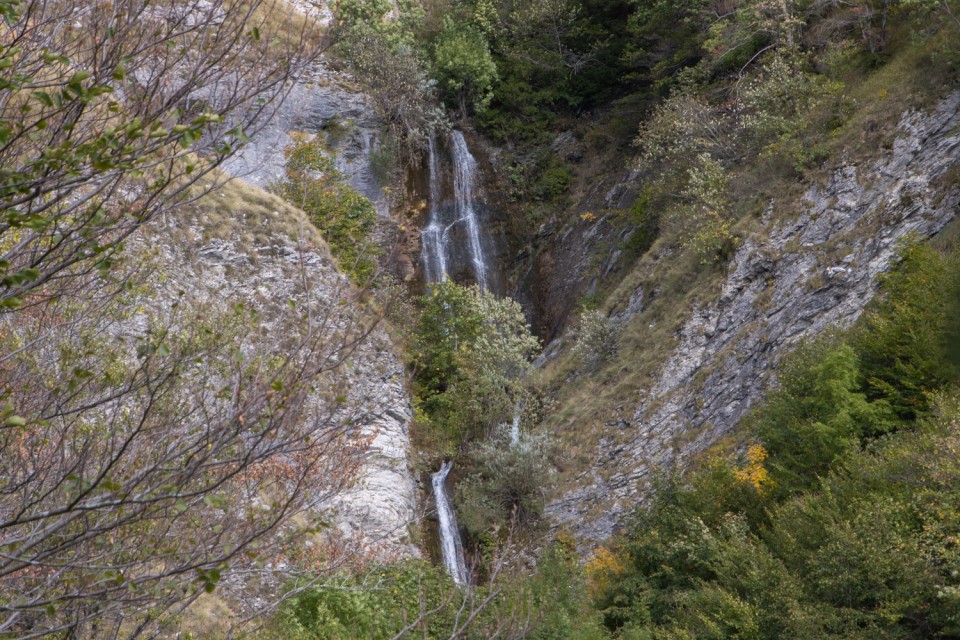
column 515, row 427
column 450, row 546
column 464, row 174
column 438, row 238
column 433, row 236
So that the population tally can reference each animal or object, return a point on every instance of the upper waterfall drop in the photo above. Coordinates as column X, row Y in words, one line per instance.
column 453, row 236
column 464, row 179
column 433, row 236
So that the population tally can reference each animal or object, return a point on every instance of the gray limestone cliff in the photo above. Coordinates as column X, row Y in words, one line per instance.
column 817, row 270
column 242, row 246
column 324, row 104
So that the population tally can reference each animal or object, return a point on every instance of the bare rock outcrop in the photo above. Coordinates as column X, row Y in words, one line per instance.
column 254, row 250
column 815, row 271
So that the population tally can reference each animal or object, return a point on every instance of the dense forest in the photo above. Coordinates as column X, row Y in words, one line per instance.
column 175, row 445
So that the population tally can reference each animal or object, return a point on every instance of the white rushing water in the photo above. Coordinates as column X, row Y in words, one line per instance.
column 452, row 238
column 433, row 236
column 464, row 178
column 450, row 546
column 515, row 427
column 443, row 242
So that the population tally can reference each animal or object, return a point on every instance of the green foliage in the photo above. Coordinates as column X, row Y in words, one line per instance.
column 666, row 37
column 784, row 108
column 817, row 417
column 856, row 537
column 906, row 340
column 345, row 218
column 472, row 352
column 596, row 339
column 645, row 220
column 376, row 607
column 464, row 67
column 382, row 48
column 504, row 485
column 548, row 604
column 553, row 181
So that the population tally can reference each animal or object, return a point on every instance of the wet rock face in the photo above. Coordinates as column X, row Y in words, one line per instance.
column 816, row 271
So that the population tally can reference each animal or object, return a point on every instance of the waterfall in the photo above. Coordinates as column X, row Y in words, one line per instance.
column 515, row 427
column 450, row 546
column 439, row 237
column 433, row 236
column 451, row 239
column 464, row 174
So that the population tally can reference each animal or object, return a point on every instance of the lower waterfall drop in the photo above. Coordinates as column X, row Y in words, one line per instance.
column 515, row 427
column 451, row 548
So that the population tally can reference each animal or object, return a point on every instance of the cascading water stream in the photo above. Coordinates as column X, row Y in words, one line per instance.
column 438, row 238
column 433, row 236
column 450, row 546
column 464, row 173
column 443, row 247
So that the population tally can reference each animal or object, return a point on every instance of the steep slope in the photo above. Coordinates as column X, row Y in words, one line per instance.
column 790, row 282
column 241, row 246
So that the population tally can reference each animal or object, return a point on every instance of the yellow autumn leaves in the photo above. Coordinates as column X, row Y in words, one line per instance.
column 754, row 472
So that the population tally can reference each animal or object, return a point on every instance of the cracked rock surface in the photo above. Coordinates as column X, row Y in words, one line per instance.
column 284, row 273
column 816, row 271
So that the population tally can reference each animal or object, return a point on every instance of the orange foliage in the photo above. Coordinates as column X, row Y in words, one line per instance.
column 754, row 472
column 602, row 571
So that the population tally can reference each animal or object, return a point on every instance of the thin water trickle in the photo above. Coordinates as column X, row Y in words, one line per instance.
column 515, row 427
column 451, row 547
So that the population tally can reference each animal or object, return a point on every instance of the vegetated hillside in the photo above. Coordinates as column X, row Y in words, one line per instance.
column 789, row 280
column 758, row 209
column 839, row 519
column 193, row 396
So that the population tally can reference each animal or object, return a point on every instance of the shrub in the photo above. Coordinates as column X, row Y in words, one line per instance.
column 596, row 339
column 905, row 340
column 471, row 354
column 505, row 485
column 345, row 218
column 463, row 67
column 784, row 107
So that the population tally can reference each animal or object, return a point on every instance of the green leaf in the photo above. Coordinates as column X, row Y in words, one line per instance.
column 50, row 57
column 23, row 276
column 218, row 502
column 15, row 421
column 43, row 97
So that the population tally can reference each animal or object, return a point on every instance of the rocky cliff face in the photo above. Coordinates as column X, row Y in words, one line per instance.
column 253, row 249
column 323, row 104
column 816, row 271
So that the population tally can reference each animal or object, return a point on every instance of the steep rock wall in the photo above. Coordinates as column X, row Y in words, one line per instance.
column 816, row 271
column 326, row 105
column 256, row 251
